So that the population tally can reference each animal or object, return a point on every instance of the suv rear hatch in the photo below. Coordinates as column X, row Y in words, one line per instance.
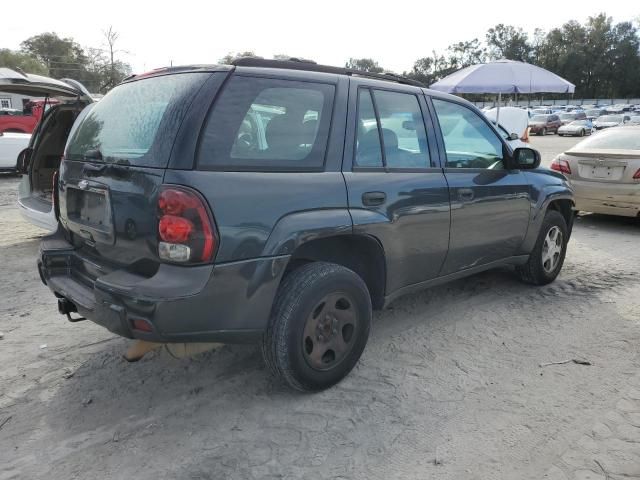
column 113, row 170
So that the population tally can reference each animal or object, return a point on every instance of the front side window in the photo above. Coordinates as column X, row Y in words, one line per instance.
column 469, row 142
column 267, row 123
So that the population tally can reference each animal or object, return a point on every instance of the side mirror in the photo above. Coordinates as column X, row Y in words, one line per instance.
column 513, row 136
column 24, row 159
column 526, row 158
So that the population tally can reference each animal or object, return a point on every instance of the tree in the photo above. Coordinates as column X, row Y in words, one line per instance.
column 98, row 69
column 116, row 70
column 62, row 57
column 464, row 54
column 506, row 41
column 229, row 57
column 23, row 61
column 364, row 64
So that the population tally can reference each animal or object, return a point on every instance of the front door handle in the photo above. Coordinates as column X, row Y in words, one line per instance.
column 465, row 194
column 373, row 199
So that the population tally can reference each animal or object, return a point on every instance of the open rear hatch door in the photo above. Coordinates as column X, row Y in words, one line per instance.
column 12, row 81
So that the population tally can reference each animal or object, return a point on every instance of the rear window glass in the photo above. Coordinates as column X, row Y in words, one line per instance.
column 136, row 123
column 264, row 123
column 615, row 139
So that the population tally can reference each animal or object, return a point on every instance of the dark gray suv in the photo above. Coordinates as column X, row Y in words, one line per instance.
column 281, row 202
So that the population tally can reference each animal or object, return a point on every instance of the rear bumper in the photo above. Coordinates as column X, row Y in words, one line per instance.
column 227, row 303
column 607, row 198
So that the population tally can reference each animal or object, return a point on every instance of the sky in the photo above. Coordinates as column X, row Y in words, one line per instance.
column 395, row 33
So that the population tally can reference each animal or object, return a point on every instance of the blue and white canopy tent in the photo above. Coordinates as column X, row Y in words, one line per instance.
column 503, row 76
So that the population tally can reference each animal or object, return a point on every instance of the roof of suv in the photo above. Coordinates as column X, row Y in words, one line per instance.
column 291, row 64
column 298, row 65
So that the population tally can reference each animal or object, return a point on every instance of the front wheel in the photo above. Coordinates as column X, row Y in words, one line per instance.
column 547, row 257
column 319, row 326
column 543, row 132
column 582, row 133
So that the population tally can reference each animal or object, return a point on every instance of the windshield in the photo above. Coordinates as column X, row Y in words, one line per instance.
column 610, row 118
column 124, row 125
column 592, row 113
column 567, row 116
column 539, row 118
column 623, row 138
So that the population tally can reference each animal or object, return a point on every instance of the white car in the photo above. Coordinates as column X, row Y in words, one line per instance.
column 11, row 144
column 40, row 160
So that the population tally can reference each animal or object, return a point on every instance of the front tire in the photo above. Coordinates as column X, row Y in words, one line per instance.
column 319, row 326
column 582, row 133
column 543, row 132
column 547, row 257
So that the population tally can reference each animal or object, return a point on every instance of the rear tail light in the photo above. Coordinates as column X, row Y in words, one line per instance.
column 636, row 176
column 185, row 226
column 560, row 165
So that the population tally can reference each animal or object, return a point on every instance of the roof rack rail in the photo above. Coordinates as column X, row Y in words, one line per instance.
column 311, row 66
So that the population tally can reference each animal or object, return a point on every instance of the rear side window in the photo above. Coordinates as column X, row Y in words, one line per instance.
column 137, row 122
column 263, row 123
column 398, row 123
column 368, row 148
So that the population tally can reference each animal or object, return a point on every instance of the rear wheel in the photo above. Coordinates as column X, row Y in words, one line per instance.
column 319, row 326
column 547, row 257
column 543, row 132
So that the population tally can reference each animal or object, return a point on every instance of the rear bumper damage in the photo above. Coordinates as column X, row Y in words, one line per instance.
column 607, row 198
column 227, row 303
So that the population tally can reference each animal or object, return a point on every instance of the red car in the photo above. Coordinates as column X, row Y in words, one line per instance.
column 543, row 124
column 27, row 121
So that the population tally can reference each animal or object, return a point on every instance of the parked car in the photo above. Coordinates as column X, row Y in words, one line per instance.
column 41, row 158
column 11, row 144
column 542, row 111
column 543, row 124
column 290, row 241
column 577, row 128
column 566, row 118
column 18, row 121
column 604, row 171
column 594, row 113
column 608, row 121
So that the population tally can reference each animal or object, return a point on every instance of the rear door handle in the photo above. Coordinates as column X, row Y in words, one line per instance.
column 465, row 194
column 373, row 199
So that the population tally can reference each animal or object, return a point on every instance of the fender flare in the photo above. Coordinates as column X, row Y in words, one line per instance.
column 549, row 194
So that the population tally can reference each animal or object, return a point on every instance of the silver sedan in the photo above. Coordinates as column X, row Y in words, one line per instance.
column 604, row 171
column 577, row 128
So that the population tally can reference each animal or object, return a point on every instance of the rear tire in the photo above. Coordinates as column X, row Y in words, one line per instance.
column 547, row 256
column 543, row 132
column 319, row 326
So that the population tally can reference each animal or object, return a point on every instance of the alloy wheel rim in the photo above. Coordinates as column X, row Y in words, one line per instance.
column 330, row 331
column 552, row 249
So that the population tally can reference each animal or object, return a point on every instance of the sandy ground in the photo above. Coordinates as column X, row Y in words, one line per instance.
column 449, row 387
